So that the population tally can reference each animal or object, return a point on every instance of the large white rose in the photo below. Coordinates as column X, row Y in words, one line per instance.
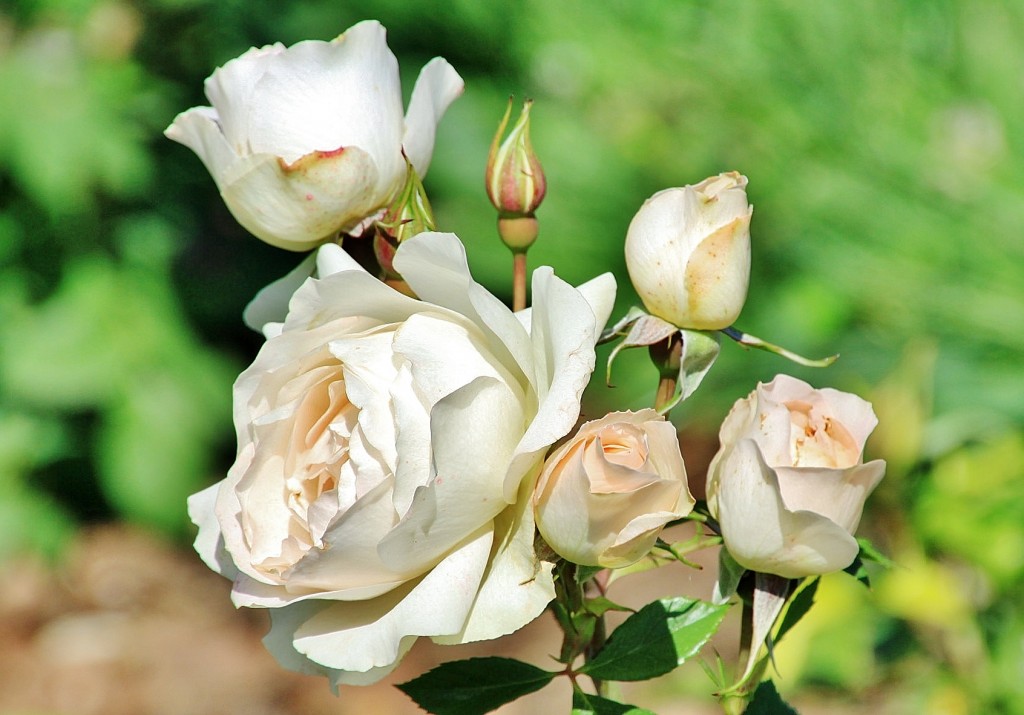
column 307, row 141
column 789, row 483
column 688, row 252
column 387, row 449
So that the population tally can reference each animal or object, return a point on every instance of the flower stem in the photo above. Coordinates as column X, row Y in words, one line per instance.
column 518, row 280
column 667, row 355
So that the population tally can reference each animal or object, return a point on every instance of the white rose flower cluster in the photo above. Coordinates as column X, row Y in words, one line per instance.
column 399, row 456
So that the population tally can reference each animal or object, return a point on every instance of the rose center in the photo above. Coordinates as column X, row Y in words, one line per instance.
column 817, row 440
column 623, row 445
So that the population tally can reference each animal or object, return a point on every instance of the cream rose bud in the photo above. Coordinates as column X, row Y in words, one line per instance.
column 688, row 252
column 387, row 449
column 789, row 482
column 308, row 141
column 605, row 495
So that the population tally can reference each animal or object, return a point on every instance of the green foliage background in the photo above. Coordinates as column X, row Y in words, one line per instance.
column 883, row 142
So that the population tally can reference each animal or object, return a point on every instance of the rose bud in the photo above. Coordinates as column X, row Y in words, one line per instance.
column 307, row 142
column 604, row 496
column 789, row 483
column 688, row 252
column 515, row 181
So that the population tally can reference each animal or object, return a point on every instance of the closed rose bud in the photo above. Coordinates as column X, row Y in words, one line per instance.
column 789, row 483
column 688, row 252
column 603, row 497
column 515, row 181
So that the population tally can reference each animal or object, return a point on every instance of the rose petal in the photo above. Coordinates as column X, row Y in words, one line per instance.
column 231, row 89
column 209, row 543
column 517, row 586
column 435, row 266
column 472, row 445
column 563, row 333
column 323, row 96
column 201, row 131
column 837, row 494
column 362, row 635
column 271, row 304
column 792, row 544
column 436, row 88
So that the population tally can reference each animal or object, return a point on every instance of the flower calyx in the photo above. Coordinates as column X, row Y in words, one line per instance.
column 408, row 215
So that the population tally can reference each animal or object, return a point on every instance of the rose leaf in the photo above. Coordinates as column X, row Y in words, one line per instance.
column 766, row 701
column 657, row 638
column 474, row 686
column 587, row 704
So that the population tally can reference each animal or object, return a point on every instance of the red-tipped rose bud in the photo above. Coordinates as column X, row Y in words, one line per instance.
column 515, row 181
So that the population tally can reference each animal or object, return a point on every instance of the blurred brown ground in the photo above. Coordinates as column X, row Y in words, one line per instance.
column 128, row 625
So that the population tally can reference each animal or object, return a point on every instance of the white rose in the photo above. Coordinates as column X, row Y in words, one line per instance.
column 688, row 252
column 307, row 141
column 789, row 483
column 605, row 495
column 387, row 449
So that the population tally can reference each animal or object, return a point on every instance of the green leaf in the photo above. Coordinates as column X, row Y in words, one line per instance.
column 868, row 553
column 766, row 701
column 600, row 605
column 798, row 607
column 475, row 686
column 586, row 704
column 656, row 639
column 585, row 573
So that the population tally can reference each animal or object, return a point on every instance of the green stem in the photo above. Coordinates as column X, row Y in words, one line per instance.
column 667, row 355
column 518, row 280
column 594, row 648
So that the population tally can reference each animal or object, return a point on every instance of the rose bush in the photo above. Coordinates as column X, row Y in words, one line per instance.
column 789, row 482
column 308, row 141
column 387, row 450
column 688, row 252
column 605, row 495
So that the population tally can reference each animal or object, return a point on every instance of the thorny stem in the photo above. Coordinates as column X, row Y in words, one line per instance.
column 518, row 280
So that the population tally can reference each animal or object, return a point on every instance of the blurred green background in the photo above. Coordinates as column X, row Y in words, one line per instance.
column 883, row 142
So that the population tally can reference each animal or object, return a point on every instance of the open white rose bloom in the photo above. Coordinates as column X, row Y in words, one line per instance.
column 387, row 450
column 789, row 483
column 308, row 141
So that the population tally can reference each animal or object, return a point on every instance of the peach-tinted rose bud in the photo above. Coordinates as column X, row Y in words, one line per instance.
column 688, row 252
column 515, row 180
column 604, row 496
column 789, row 482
